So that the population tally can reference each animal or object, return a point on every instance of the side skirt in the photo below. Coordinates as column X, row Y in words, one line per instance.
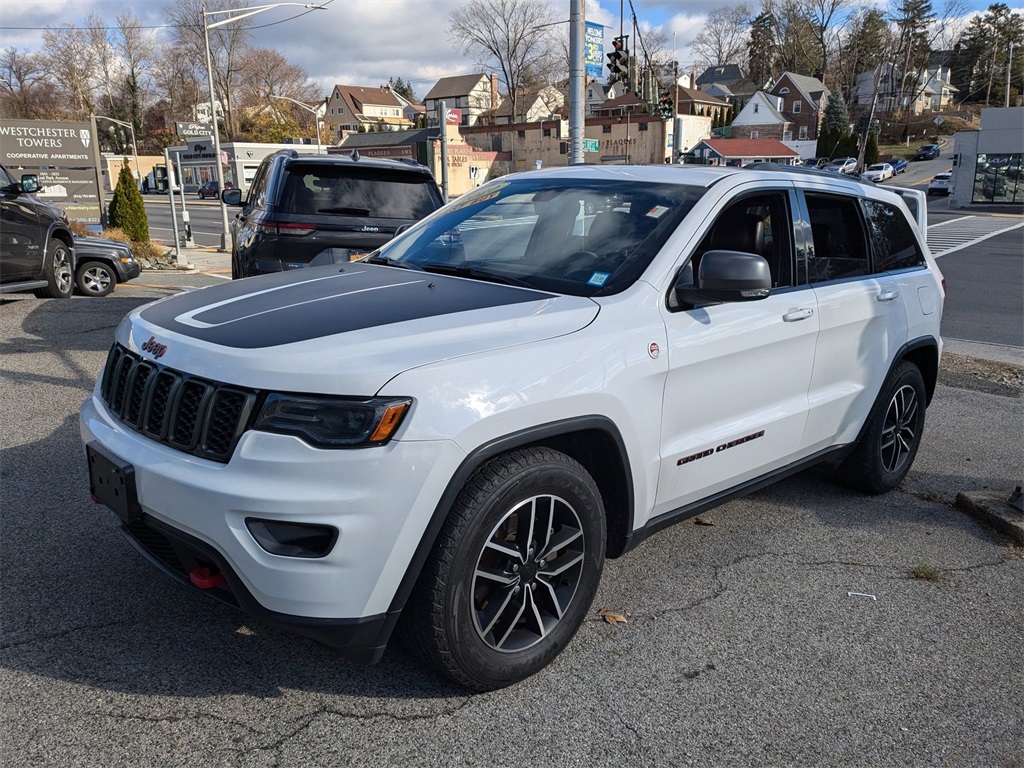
column 829, row 455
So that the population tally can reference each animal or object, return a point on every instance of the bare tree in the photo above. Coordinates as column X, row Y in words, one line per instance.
column 107, row 71
column 71, row 67
column 25, row 92
column 825, row 17
column 723, row 38
column 226, row 46
column 507, row 36
column 134, row 47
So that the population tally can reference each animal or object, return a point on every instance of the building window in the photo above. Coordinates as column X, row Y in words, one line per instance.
column 521, row 134
column 755, row 109
column 796, row 107
column 803, row 132
column 642, row 127
column 783, row 91
column 606, row 129
column 547, row 133
column 787, row 135
column 755, row 134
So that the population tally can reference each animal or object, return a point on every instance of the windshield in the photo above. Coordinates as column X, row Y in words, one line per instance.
column 584, row 238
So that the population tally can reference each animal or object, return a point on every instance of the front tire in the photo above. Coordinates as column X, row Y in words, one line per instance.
column 59, row 276
column 892, row 435
column 513, row 572
column 94, row 278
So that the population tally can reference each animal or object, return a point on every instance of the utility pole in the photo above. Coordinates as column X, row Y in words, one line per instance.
column 443, row 120
column 1009, row 63
column 577, row 120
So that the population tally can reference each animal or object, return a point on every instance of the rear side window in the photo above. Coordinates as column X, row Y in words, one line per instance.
column 840, row 246
column 892, row 238
column 364, row 192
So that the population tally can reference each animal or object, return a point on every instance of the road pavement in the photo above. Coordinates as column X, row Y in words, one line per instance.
column 789, row 632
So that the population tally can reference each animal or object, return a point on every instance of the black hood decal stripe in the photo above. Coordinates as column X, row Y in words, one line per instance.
column 313, row 303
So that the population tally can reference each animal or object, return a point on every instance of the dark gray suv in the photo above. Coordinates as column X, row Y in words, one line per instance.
column 304, row 210
column 36, row 245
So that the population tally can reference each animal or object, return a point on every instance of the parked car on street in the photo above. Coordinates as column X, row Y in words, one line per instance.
column 460, row 438
column 37, row 250
column 927, row 152
column 898, row 166
column 102, row 264
column 209, row 189
column 814, row 162
column 844, row 165
column 878, row 172
column 306, row 210
column 941, row 184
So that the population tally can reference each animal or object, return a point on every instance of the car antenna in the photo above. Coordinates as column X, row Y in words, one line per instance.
column 355, row 154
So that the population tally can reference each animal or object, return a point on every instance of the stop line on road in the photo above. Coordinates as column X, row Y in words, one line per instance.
column 955, row 234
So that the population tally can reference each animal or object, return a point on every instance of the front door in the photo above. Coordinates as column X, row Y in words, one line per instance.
column 735, row 402
column 20, row 239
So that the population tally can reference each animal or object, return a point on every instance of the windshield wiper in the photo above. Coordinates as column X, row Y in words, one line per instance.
column 349, row 211
column 460, row 270
column 376, row 258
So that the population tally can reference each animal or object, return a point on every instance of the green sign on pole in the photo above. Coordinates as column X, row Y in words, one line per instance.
column 591, row 145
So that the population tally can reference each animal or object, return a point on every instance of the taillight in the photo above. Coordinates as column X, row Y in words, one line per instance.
column 284, row 228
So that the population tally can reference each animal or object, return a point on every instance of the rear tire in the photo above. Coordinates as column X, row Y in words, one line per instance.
column 892, row 434
column 513, row 572
column 94, row 278
column 59, row 276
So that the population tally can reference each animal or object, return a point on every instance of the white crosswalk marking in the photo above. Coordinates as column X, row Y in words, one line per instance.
column 955, row 234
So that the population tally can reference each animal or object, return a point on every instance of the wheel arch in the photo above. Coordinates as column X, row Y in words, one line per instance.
column 924, row 353
column 593, row 441
column 58, row 232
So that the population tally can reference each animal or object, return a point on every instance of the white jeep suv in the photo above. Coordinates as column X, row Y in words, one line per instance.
column 462, row 426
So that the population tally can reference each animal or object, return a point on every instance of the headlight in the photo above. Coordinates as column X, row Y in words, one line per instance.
column 333, row 422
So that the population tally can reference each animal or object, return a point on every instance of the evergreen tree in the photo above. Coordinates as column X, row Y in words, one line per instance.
column 871, row 150
column 127, row 210
column 760, row 49
column 403, row 89
column 836, row 116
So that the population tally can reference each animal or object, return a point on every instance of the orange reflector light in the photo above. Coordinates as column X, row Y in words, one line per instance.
column 389, row 422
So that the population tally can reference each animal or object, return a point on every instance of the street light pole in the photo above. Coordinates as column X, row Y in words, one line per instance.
column 135, row 148
column 316, row 118
column 235, row 15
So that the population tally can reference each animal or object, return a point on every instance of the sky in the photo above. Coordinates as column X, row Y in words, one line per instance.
column 365, row 42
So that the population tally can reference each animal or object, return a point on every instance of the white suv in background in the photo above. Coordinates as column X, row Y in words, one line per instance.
column 460, row 428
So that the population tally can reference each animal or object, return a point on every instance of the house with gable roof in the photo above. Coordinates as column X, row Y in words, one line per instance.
column 356, row 107
column 472, row 94
column 762, row 118
column 803, row 103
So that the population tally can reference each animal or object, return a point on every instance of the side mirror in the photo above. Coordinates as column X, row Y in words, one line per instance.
column 403, row 228
column 30, row 183
column 726, row 276
column 231, row 196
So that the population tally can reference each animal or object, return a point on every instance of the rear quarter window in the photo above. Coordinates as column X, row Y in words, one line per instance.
column 892, row 239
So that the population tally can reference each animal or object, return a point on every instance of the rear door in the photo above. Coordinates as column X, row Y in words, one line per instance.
column 861, row 316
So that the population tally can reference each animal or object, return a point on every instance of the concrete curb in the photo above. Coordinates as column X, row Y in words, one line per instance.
column 994, row 510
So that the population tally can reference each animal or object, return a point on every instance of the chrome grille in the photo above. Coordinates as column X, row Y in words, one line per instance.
column 201, row 417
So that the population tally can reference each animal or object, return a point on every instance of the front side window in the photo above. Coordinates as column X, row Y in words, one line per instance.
column 584, row 238
column 840, row 246
column 892, row 237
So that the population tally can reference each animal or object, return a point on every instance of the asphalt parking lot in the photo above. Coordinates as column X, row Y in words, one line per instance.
column 789, row 632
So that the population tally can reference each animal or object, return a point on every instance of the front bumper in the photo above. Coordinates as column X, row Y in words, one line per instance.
column 194, row 511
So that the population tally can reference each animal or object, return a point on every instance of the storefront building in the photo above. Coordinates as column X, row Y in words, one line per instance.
column 987, row 164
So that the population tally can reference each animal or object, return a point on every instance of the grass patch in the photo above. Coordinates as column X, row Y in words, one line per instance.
column 924, row 572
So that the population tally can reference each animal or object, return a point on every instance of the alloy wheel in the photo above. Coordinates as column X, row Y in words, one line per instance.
column 96, row 280
column 899, row 430
column 527, row 573
column 62, row 273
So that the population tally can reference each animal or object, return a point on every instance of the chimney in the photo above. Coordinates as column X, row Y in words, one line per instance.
column 693, row 81
column 494, row 91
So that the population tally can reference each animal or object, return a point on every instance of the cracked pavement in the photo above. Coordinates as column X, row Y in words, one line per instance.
column 743, row 644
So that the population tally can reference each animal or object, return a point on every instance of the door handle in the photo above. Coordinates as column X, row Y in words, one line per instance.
column 797, row 314
column 887, row 296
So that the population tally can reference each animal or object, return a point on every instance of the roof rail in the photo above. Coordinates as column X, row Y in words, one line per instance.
column 820, row 173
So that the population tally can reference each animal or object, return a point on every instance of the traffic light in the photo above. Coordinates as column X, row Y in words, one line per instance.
column 618, row 61
column 666, row 107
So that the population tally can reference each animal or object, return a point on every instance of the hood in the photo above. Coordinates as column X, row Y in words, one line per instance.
column 342, row 330
column 100, row 243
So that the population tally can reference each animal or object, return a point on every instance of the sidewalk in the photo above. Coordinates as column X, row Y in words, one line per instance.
column 206, row 260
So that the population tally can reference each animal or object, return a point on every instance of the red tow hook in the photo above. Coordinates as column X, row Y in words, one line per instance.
column 206, row 578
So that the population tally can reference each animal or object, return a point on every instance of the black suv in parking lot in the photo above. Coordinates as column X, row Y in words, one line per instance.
column 304, row 210
column 36, row 245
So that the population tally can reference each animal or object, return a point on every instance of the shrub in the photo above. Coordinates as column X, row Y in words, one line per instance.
column 127, row 210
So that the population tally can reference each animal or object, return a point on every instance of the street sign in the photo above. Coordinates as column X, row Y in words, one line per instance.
column 938, row 120
column 591, row 145
column 194, row 130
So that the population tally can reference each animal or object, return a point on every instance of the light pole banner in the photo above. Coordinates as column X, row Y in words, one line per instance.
column 593, row 50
